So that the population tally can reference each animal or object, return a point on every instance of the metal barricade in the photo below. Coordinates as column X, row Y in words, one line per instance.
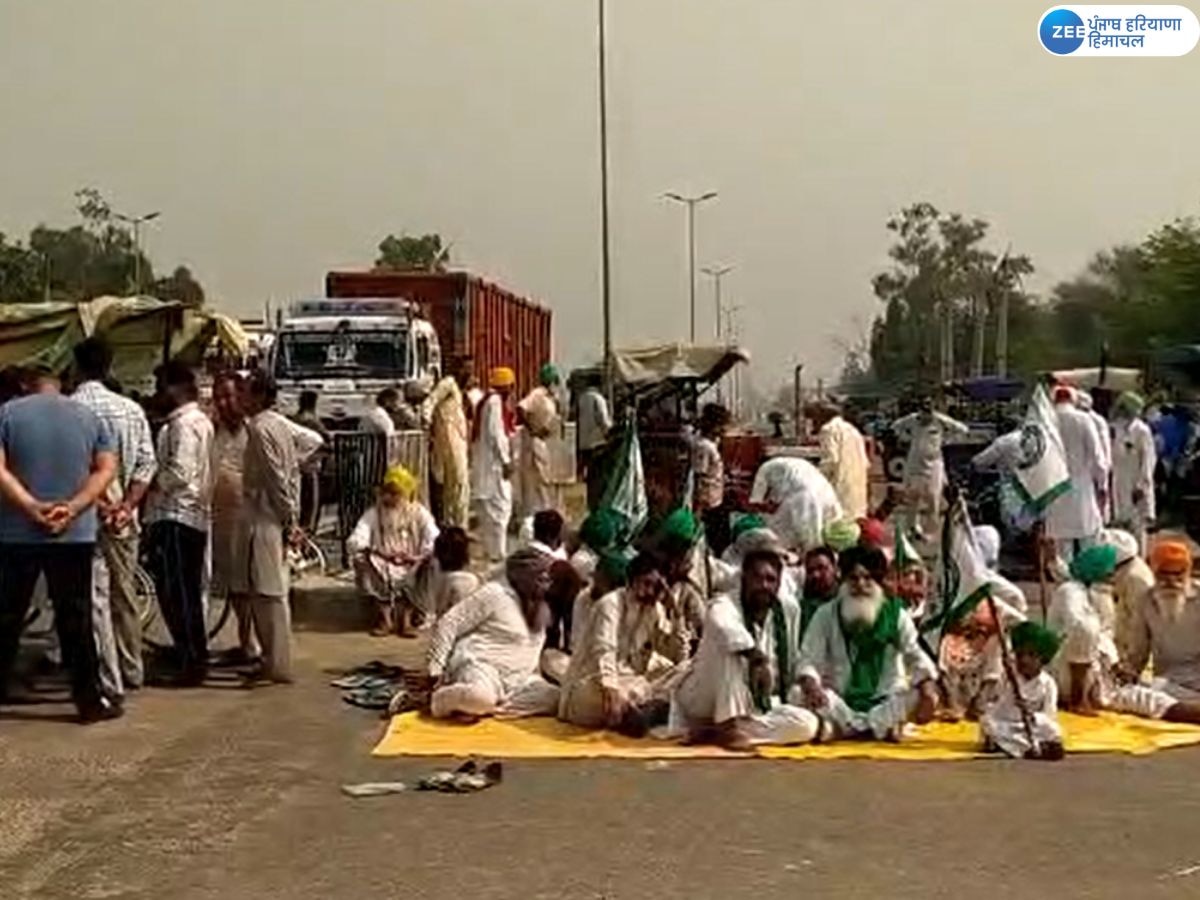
column 359, row 460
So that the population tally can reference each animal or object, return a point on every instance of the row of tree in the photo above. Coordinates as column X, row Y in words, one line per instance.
column 953, row 306
column 95, row 257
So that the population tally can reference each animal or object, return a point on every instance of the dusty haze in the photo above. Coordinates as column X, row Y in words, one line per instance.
column 284, row 137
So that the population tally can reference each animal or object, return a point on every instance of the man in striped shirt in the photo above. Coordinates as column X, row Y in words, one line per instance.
column 118, row 609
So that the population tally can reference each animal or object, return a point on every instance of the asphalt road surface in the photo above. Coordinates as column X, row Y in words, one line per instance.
column 223, row 793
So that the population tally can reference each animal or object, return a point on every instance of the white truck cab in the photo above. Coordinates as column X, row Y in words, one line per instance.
column 347, row 351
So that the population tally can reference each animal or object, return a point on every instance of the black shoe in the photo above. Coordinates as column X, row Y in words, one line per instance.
column 104, row 711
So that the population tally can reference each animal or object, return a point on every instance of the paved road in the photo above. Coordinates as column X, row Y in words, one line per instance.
column 221, row 793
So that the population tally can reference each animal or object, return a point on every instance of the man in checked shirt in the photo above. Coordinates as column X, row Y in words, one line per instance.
column 119, row 640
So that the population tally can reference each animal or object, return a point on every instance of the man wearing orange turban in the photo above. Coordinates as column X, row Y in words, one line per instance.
column 1163, row 624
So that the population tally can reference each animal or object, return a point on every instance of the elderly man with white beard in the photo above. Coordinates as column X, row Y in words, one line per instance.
column 739, row 690
column 1163, row 624
column 862, row 668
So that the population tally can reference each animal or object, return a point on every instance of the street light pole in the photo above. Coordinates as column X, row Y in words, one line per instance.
column 716, row 273
column 605, row 259
column 691, row 203
column 137, row 222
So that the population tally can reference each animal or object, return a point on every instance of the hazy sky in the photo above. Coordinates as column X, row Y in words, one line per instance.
column 281, row 138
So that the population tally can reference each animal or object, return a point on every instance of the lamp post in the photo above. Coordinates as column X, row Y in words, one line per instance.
column 137, row 222
column 716, row 273
column 691, row 203
column 605, row 289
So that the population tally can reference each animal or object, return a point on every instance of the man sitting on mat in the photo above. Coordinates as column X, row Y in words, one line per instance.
column 484, row 652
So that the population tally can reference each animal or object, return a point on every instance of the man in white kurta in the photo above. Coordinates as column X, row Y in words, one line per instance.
column 391, row 539
column 1163, row 626
column 449, row 451
column 926, row 432
column 1134, row 459
column 1104, row 441
column 862, row 668
column 624, row 656
column 540, row 418
column 492, row 465
column 1003, row 723
column 797, row 501
column 1073, row 521
column 844, row 461
column 737, row 691
column 484, row 652
column 1084, row 616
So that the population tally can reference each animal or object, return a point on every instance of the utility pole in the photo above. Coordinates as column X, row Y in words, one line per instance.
column 1001, row 314
column 716, row 273
column 691, row 203
column 605, row 259
column 137, row 222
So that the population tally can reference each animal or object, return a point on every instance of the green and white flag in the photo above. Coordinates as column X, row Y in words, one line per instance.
column 1041, row 475
column 625, row 490
column 966, row 580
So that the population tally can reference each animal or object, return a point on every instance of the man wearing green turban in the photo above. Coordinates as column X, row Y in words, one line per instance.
column 1083, row 615
column 540, row 416
column 688, row 571
column 1134, row 461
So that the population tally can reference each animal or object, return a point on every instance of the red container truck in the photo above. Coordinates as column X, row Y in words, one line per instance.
column 472, row 317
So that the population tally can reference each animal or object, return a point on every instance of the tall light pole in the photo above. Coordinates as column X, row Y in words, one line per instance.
column 691, row 203
column 605, row 290
column 137, row 222
column 716, row 273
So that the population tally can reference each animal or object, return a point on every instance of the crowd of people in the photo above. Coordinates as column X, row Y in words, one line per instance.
column 210, row 503
column 803, row 615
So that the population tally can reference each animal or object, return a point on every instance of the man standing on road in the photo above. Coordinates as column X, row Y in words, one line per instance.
column 270, row 488
column 56, row 460
column 925, row 432
column 593, row 424
column 1074, row 520
column 228, row 532
column 1134, row 459
column 492, row 464
column 178, row 516
column 118, row 509
column 449, row 452
column 843, row 459
column 540, row 418
column 310, row 484
column 380, row 418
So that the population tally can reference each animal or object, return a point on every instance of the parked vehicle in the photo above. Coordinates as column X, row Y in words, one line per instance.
column 473, row 318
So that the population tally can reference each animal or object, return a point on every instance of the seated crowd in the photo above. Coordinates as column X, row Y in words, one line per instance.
column 764, row 646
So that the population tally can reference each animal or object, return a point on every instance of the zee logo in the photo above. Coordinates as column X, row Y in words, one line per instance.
column 1062, row 31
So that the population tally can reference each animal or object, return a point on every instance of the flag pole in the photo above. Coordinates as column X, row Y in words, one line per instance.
column 961, row 515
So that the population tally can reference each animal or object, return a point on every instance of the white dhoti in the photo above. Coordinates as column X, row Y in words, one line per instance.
column 1009, row 734
column 535, row 492
column 477, row 689
column 923, row 497
column 716, row 691
column 494, row 514
column 881, row 721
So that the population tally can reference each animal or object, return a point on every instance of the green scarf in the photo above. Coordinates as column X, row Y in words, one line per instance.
column 782, row 662
column 868, row 648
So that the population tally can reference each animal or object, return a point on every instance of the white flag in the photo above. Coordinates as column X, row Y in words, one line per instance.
column 1041, row 475
column 966, row 580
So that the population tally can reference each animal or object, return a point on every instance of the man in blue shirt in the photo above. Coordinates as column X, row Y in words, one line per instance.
column 56, row 460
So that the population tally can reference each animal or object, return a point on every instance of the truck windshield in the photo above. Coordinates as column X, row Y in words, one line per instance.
column 365, row 354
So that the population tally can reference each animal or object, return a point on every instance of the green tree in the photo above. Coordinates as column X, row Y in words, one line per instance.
column 180, row 285
column 407, row 253
column 942, row 284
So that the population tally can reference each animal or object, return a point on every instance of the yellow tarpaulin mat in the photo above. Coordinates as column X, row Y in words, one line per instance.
column 414, row 735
